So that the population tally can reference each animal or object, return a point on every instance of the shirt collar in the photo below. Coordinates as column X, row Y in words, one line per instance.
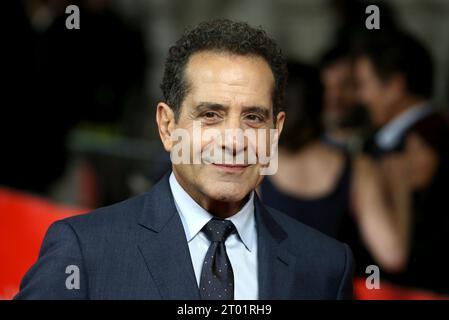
column 389, row 136
column 194, row 217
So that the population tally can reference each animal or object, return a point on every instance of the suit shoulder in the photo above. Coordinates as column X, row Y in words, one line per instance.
column 115, row 215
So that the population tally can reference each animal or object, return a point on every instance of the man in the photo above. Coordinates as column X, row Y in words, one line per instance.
column 395, row 77
column 395, row 82
column 201, row 232
column 343, row 117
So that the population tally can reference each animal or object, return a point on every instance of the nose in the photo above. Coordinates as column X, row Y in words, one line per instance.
column 233, row 141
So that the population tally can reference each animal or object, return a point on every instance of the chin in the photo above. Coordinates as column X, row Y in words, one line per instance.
column 227, row 193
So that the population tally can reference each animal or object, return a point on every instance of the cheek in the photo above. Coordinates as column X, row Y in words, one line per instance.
column 363, row 94
column 262, row 144
column 376, row 98
column 209, row 138
column 372, row 91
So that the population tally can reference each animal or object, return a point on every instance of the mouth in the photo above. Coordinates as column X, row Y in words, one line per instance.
column 231, row 168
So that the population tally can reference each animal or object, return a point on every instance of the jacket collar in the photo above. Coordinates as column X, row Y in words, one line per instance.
column 166, row 253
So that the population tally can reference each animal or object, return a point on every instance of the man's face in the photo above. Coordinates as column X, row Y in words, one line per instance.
column 225, row 92
column 339, row 92
column 378, row 96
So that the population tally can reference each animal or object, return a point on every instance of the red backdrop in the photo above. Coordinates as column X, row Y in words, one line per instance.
column 24, row 219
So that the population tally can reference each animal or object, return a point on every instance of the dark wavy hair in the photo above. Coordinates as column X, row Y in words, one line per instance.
column 399, row 52
column 221, row 35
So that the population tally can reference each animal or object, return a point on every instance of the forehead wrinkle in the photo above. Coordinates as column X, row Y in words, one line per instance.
column 226, row 82
column 239, row 76
column 227, row 94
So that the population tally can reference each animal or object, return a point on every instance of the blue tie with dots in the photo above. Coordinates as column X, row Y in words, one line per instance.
column 217, row 277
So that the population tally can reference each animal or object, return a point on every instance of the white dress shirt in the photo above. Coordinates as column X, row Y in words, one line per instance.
column 390, row 135
column 241, row 247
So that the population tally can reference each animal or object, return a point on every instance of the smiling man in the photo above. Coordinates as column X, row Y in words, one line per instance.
column 201, row 232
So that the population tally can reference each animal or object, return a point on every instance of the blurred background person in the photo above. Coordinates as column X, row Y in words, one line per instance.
column 395, row 79
column 344, row 120
column 325, row 188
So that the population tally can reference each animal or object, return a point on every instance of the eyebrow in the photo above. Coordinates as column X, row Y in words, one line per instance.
column 207, row 106
column 256, row 109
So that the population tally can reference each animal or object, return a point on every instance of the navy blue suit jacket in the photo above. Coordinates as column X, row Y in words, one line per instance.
column 137, row 249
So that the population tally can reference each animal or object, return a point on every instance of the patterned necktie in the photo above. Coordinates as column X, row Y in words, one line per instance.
column 217, row 277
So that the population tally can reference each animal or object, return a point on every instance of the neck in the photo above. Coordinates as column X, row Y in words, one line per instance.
column 222, row 209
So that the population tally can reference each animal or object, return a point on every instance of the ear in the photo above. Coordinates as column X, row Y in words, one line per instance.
column 280, row 118
column 165, row 119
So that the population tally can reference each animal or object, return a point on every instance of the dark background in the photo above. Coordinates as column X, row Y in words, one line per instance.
column 78, row 106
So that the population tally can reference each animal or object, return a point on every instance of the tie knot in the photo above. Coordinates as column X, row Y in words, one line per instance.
column 217, row 230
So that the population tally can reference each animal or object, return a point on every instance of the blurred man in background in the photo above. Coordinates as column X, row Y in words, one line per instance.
column 344, row 119
column 395, row 77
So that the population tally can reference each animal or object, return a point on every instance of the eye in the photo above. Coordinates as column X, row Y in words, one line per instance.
column 211, row 116
column 254, row 118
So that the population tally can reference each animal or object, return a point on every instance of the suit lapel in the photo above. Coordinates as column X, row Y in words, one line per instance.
column 276, row 263
column 164, row 245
